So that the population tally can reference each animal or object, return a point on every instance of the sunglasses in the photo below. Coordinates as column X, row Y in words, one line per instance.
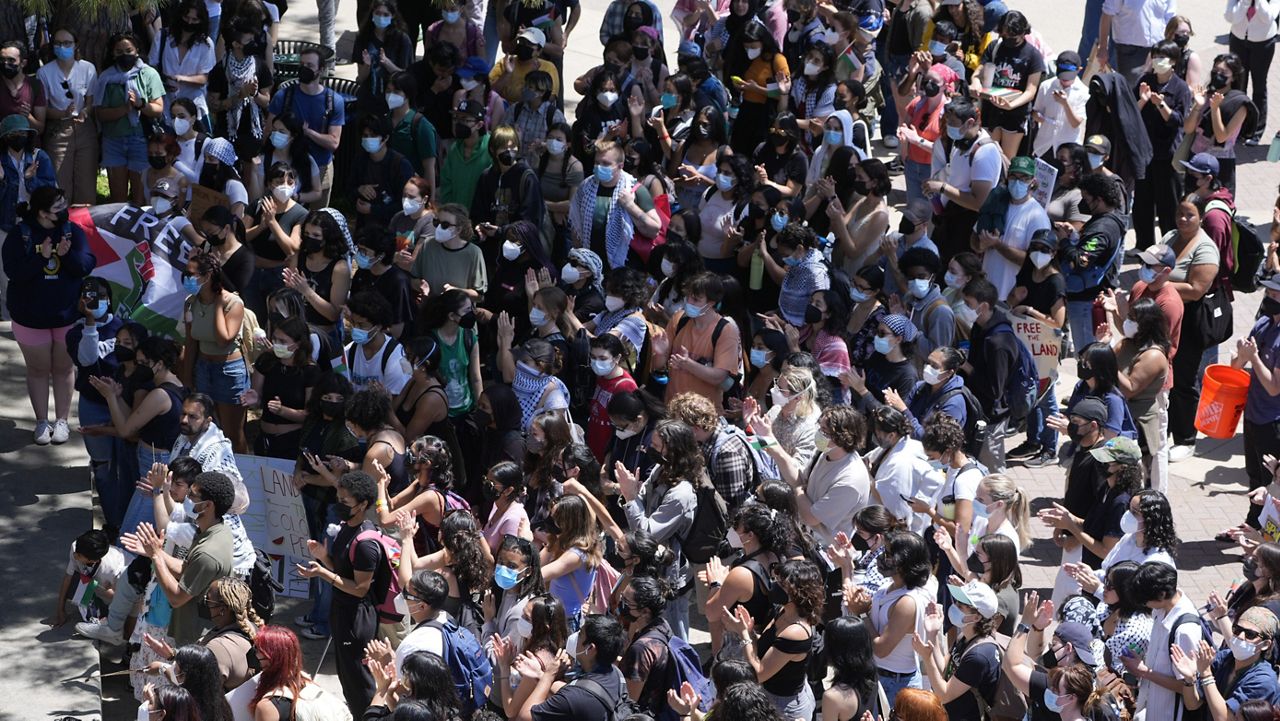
column 443, row 223
column 518, row 540
column 1248, row 633
column 67, row 87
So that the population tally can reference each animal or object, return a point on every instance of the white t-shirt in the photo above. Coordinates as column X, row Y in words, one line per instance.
column 365, row 371
column 1021, row 221
column 1159, row 702
column 961, row 172
column 198, row 60
column 1056, row 128
column 422, row 638
column 980, row 529
column 906, row 472
column 107, row 571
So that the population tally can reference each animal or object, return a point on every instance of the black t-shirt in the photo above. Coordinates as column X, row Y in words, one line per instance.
column 1085, row 483
column 883, row 373
column 791, row 165
column 1041, row 295
column 438, row 107
column 366, row 559
column 1015, row 64
column 588, row 302
column 237, row 272
column 978, row 666
column 1104, row 520
column 574, row 703
column 392, row 285
column 1035, row 699
column 1165, row 134
column 288, row 383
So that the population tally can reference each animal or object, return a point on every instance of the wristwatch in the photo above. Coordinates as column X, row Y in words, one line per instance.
column 1022, row 628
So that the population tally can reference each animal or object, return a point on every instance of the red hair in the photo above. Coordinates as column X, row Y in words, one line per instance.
column 281, row 663
column 913, row 704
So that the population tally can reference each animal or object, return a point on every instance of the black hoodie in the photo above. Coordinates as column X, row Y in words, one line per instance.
column 1112, row 111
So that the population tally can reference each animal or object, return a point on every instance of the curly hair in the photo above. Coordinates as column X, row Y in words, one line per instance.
column 781, row 499
column 1078, row 679
column 942, row 434
column 431, row 455
column 805, row 587
column 844, row 426
column 369, row 408
column 1158, row 531
column 684, row 459
column 460, row 533
column 652, row 558
column 695, row 410
column 746, row 701
column 238, row 598
column 763, row 523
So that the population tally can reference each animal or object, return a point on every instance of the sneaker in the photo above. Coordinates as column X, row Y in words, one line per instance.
column 43, row 434
column 1253, row 141
column 889, row 141
column 1043, row 460
column 61, row 432
column 1181, row 452
column 302, row 621
column 311, row 633
column 895, row 167
column 1028, row 449
column 100, row 632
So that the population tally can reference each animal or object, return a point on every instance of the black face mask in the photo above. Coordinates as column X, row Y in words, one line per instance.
column 202, row 610
column 333, row 409
column 812, row 314
column 483, row 418
column 1074, row 432
column 632, row 24
column 507, row 157
column 794, row 16
column 461, row 132
column 16, row 142
column 1218, row 80
column 251, row 48
column 975, row 566
column 468, row 320
column 9, row 70
column 907, row 226
column 307, row 75
column 143, row 375
column 625, row 612
column 1181, row 40
column 1270, row 306
column 640, row 53
column 1049, row 659
column 490, row 491
column 1085, row 206
column 858, row 186
column 859, row 543
column 1084, row 373
column 524, row 52
column 126, row 61
column 310, row 245
column 157, row 161
column 674, row 237
column 1250, row 568
column 125, row 355
column 216, row 240
column 931, row 89
column 777, row 594
column 839, row 103
column 344, row 512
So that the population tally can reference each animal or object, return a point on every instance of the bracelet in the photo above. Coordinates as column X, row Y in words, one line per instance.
column 713, row 585
column 379, row 505
column 1208, row 681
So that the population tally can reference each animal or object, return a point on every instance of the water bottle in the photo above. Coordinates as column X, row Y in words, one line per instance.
column 757, row 270
column 1273, row 154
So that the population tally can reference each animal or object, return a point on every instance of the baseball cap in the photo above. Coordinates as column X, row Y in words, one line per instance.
column 976, row 594
column 1090, row 409
column 1161, row 255
column 1099, row 144
column 1272, row 283
column 1118, row 450
column 1046, row 237
column 166, row 187
column 470, row 107
column 533, row 35
column 472, row 67
column 689, row 48
column 1080, row 638
column 1068, row 61
column 1202, row 163
column 1023, row 165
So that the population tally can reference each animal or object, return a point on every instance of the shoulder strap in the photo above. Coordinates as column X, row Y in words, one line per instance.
column 598, row 692
column 1219, row 204
column 928, row 312
column 387, row 350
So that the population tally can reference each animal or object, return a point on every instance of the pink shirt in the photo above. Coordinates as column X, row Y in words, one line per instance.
column 499, row 526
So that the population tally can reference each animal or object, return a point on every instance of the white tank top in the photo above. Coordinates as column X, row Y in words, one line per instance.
column 903, row 657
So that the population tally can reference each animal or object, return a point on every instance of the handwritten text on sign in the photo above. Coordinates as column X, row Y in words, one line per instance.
column 1044, row 341
column 276, row 520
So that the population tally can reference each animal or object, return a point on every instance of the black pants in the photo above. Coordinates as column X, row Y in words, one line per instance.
column 953, row 228
column 1260, row 439
column 1256, row 57
column 1184, row 397
column 353, row 627
column 1156, row 197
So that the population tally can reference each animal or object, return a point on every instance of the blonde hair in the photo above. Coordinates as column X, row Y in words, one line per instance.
column 1002, row 488
column 1171, row 28
column 501, row 137
column 578, row 529
column 801, row 381
column 695, row 410
column 238, row 598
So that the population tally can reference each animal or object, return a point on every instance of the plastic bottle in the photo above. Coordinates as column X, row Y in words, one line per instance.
column 1273, row 154
column 757, row 271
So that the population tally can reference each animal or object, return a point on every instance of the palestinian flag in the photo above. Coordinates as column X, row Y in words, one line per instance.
column 143, row 258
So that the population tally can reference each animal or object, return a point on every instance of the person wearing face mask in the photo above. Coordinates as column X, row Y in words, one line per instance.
column 517, row 580
column 582, row 278
column 762, row 539
column 594, row 648
column 451, row 319
column 24, row 169
column 1164, row 100
column 216, row 169
column 508, row 76
column 70, row 132
column 348, row 566
column 284, row 146
column 890, row 368
column 274, row 231
column 1039, row 293
column 973, row 663
column 780, row 161
column 704, row 348
column 560, row 172
column 1062, row 689
column 508, row 191
column 916, row 270
column 374, row 356
column 765, row 72
column 91, row 343
column 941, row 391
column 282, row 383
column 611, row 207
column 1221, row 682
column 503, row 487
column 184, row 53
column 1258, row 350
column 26, row 96
column 240, row 89
column 1144, row 379
column 126, row 94
column 1004, row 246
column 899, row 469
column 413, row 134
column 923, row 123
column 535, row 114
column 995, row 350
column 1174, row 623
column 1059, row 106
column 184, row 582
column 322, row 112
column 973, row 163
column 607, row 355
column 647, row 659
column 801, row 273
column 446, row 257
column 224, row 236
column 213, row 317
column 382, row 48
column 455, row 28
column 1090, row 259
column 376, row 171
column 1008, row 80
column 377, row 272
column 422, row 407
column 541, row 632
column 1133, row 28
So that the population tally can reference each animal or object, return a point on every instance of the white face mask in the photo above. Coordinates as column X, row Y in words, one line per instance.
column 282, row 193
column 952, row 280
column 144, row 711
column 625, row 433
column 570, row 274
column 1040, row 260
column 779, row 398
column 753, row 53
column 1241, row 648
column 607, row 97
column 668, row 268
column 189, row 509
column 411, row 206
column 1129, row 522
column 394, row 100
column 966, row 313
column 932, row 375
column 735, row 541
column 510, row 250
column 603, row 367
column 161, row 205
column 613, row 302
column 1129, row 328
column 181, row 126
column 555, row 146
column 468, row 84
column 811, row 69
column 444, row 235
column 919, row 287
column 524, row 627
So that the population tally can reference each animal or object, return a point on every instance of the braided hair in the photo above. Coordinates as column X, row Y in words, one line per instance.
column 238, row 598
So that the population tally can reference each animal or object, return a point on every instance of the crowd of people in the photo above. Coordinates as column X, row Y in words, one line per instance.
column 677, row 358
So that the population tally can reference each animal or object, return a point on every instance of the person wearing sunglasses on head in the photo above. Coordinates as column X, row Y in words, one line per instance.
column 70, row 135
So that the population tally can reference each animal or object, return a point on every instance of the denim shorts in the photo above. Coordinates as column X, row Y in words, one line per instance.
column 223, row 382
column 128, row 150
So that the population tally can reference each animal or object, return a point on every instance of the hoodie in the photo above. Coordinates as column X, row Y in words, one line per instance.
column 1112, row 111
column 922, row 403
column 993, row 354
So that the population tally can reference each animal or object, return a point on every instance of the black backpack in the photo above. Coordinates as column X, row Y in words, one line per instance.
column 706, row 536
column 974, row 419
column 616, row 709
column 1248, row 249
column 263, row 585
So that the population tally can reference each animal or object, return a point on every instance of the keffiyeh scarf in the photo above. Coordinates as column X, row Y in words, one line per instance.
column 239, row 73
column 619, row 228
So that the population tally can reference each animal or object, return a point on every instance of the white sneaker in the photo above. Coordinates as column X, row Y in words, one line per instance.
column 889, row 141
column 61, row 432
column 44, row 433
column 100, row 632
column 1181, row 452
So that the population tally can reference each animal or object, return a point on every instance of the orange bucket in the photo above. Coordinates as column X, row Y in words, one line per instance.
column 1222, row 393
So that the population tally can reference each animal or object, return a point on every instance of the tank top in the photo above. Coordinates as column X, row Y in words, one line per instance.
column 398, row 470
column 902, row 659
column 322, row 281
column 455, row 368
column 1125, row 357
column 201, row 318
column 792, row 677
column 161, row 431
column 573, row 588
column 758, row 605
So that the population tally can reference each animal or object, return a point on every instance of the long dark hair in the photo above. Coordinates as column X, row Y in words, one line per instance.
column 849, row 642
column 1153, row 329
column 1002, row 555
column 431, row 682
column 1106, row 371
column 550, row 628
column 202, row 678
column 1118, row 579
column 460, row 534
column 684, row 459
column 1157, row 522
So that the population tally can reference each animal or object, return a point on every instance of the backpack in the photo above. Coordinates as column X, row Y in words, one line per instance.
column 615, row 709
column 706, row 536
column 287, row 106
column 974, row 419
column 762, row 466
column 263, row 585
column 1248, row 249
column 1007, row 702
column 472, row 673
column 735, row 388
column 250, row 331
column 386, row 582
column 684, row 666
column 1022, row 388
column 1206, row 632
column 391, row 344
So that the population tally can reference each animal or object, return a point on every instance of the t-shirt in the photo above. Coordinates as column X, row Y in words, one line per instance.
column 599, row 428
column 367, row 554
column 837, row 490
column 762, row 72
column 717, row 216
column 1014, row 64
column 415, row 139
column 509, row 522
column 1041, row 295
column 313, row 110
column 286, row 382
column 1064, row 206
column 1170, row 304
column 394, row 285
column 422, row 638
column 647, row 660
column 600, row 214
column 366, row 370
column 1103, row 520
column 106, row 571
column 572, row 703
column 979, row 666
column 112, row 91
column 695, row 338
column 460, row 267
column 231, row 648
column 1203, row 251
column 1085, row 483
column 1021, row 221
column 210, row 558
column 461, row 172
column 265, row 245
column 965, row 166
column 515, row 86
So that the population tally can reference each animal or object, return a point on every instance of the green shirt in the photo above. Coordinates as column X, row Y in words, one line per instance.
column 600, row 213
column 461, row 268
column 111, row 92
column 415, row 139
column 460, row 174
column 208, row 560
column 455, row 370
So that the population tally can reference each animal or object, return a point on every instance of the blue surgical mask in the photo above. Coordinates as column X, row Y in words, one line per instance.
column 505, row 577
column 1146, row 274
column 919, row 287
column 1052, row 701
column 791, row 260
column 979, row 509
column 100, row 310
column 937, row 48
column 1095, row 161
column 858, row 296
column 360, row 335
column 759, row 357
column 371, row 145
column 537, row 318
column 725, row 181
column 62, row 53
column 883, row 345
column 451, row 17
column 833, row 137
column 955, row 132
column 693, row 311
column 191, row 284
column 778, row 222
column 382, row 21
column 1018, row 189
column 279, row 139
column 363, row 261
column 604, row 174
column 669, row 100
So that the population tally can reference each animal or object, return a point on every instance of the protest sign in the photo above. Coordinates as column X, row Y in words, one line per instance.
column 1045, row 343
column 276, row 520
column 1046, row 176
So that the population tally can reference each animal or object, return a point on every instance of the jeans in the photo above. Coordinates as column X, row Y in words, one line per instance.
column 1089, row 28
column 103, row 452
column 321, row 592
column 1037, row 431
column 1080, row 321
column 141, row 508
column 1257, row 57
column 916, row 174
column 894, row 683
column 328, row 11
column 677, row 614
column 122, row 605
column 491, row 34
column 799, row 706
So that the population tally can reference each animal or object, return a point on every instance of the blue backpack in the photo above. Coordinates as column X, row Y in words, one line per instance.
column 1023, row 386
column 683, row 665
column 472, row 673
